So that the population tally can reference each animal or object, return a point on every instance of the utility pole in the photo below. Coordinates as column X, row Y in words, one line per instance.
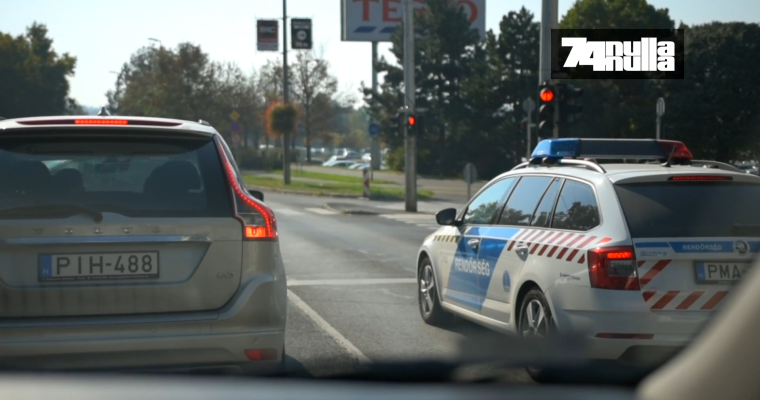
column 285, row 97
column 549, row 18
column 375, row 148
column 410, row 159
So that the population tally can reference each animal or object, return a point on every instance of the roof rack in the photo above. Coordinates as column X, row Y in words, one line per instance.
column 547, row 162
column 718, row 165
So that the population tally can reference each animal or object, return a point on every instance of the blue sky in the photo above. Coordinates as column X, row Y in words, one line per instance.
column 103, row 34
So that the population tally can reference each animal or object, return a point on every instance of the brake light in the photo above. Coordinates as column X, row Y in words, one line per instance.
column 257, row 219
column 101, row 122
column 693, row 178
column 613, row 268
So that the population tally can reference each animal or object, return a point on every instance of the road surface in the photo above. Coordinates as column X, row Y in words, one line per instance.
column 352, row 289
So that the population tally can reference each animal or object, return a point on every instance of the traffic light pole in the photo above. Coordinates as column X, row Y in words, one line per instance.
column 375, row 162
column 410, row 159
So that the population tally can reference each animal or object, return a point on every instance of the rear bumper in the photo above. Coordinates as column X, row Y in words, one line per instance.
column 614, row 314
column 253, row 319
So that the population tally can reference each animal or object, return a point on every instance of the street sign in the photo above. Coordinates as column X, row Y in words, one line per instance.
column 234, row 116
column 529, row 105
column 470, row 173
column 300, row 32
column 267, row 38
column 374, row 129
column 470, row 176
column 376, row 20
column 660, row 107
column 235, row 126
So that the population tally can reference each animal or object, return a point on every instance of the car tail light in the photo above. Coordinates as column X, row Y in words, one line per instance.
column 261, row 354
column 101, row 122
column 613, row 268
column 257, row 219
column 98, row 122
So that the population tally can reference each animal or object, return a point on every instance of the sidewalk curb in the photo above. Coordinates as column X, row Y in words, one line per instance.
column 349, row 212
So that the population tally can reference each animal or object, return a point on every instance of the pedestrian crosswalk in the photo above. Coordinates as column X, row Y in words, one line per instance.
column 279, row 210
column 421, row 220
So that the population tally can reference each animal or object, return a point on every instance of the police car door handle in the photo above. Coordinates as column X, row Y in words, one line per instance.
column 474, row 243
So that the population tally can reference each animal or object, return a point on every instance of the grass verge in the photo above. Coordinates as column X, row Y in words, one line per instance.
column 324, row 176
column 328, row 189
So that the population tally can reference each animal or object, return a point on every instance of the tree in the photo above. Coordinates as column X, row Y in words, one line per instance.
column 311, row 79
column 714, row 109
column 282, row 122
column 33, row 77
column 184, row 83
column 622, row 107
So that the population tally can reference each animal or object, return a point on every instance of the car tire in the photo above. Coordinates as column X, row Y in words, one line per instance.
column 427, row 296
column 535, row 321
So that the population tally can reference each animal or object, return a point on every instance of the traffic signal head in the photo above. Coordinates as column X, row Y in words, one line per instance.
column 569, row 99
column 547, row 99
column 411, row 121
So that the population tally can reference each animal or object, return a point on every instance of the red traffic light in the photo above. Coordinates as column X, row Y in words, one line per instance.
column 411, row 120
column 546, row 95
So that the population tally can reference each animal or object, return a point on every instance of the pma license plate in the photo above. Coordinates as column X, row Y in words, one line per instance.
column 721, row 272
column 98, row 266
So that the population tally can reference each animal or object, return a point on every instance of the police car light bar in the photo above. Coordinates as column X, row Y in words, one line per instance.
column 641, row 149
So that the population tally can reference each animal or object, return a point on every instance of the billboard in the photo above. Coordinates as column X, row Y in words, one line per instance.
column 300, row 33
column 376, row 20
column 266, row 32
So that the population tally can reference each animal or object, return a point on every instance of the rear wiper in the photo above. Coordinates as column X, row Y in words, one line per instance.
column 40, row 210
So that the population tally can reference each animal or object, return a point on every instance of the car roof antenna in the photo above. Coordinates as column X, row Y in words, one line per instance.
column 104, row 112
column 670, row 157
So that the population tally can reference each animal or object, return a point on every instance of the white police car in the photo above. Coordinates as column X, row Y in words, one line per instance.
column 634, row 246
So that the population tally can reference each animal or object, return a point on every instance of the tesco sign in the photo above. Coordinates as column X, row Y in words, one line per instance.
column 376, row 20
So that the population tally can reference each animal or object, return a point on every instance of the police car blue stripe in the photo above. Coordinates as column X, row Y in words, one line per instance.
column 471, row 271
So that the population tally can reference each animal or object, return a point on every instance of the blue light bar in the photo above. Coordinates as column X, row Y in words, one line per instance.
column 643, row 149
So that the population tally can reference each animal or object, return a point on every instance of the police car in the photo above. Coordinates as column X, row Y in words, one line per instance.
column 629, row 242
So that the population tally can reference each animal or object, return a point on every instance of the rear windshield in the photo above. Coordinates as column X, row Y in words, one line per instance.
column 698, row 209
column 136, row 177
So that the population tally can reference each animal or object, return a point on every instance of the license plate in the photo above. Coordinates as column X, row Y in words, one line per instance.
column 98, row 266
column 721, row 272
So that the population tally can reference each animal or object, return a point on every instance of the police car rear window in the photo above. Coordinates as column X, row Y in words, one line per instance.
column 680, row 209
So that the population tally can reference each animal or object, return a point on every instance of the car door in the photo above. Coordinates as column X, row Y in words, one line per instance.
column 466, row 274
column 526, row 209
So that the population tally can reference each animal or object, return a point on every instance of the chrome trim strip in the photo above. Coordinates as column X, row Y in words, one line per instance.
column 155, row 239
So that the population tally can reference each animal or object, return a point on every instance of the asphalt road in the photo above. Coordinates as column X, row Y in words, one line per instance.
column 353, row 292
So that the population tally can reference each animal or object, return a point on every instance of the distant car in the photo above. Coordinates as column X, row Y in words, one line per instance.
column 367, row 157
column 317, row 161
column 133, row 243
column 339, row 164
column 359, row 166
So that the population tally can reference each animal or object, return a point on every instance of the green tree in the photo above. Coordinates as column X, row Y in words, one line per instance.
column 282, row 122
column 33, row 77
column 311, row 78
column 622, row 107
column 714, row 110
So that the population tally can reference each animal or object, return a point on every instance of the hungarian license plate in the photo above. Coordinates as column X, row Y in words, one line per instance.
column 718, row 272
column 98, row 266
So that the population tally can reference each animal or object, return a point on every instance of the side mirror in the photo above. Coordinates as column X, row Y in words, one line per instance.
column 447, row 217
column 258, row 195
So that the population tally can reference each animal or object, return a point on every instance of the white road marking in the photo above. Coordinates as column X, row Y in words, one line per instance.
column 348, row 282
column 321, row 211
column 332, row 332
column 287, row 211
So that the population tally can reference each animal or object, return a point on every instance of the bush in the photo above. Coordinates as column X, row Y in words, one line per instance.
column 266, row 160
